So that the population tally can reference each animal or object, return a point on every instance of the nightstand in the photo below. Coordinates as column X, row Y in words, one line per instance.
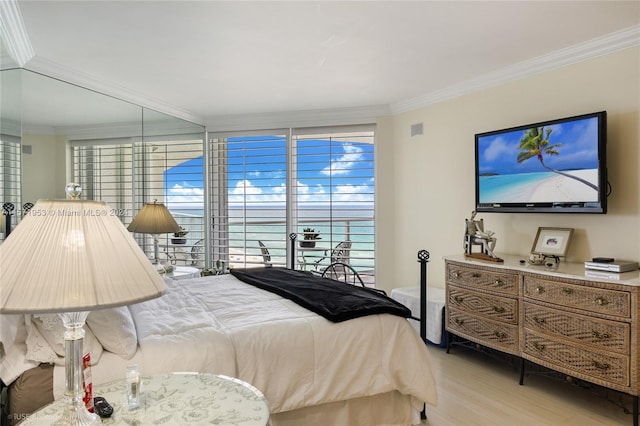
column 176, row 398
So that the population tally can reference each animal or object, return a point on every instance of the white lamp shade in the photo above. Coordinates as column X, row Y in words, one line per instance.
column 72, row 255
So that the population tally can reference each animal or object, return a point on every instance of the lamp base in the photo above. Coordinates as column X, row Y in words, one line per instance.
column 76, row 414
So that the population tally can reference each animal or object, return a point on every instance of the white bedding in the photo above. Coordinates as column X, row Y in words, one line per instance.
column 295, row 357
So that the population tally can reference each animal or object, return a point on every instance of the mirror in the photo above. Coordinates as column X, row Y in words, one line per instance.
column 40, row 117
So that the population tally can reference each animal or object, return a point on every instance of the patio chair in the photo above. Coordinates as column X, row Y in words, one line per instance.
column 197, row 254
column 341, row 252
column 265, row 255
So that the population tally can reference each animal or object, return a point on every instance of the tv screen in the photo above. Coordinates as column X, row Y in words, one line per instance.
column 556, row 166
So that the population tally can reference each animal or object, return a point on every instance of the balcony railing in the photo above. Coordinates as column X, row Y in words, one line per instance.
column 241, row 248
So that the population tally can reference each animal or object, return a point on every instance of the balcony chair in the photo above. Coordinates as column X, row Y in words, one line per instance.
column 197, row 254
column 339, row 254
column 265, row 255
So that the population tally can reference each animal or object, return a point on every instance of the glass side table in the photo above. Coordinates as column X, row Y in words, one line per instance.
column 176, row 399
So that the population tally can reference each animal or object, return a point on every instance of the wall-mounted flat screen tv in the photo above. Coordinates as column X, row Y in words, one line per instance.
column 556, row 166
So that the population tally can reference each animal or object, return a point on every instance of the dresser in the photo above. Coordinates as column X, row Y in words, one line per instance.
column 578, row 322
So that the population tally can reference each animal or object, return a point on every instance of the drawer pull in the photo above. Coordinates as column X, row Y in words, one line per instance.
column 601, row 365
column 538, row 320
column 498, row 309
column 600, row 336
column 476, row 275
column 500, row 335
column 458, row 299
column 538, row 346
column 456, row 274
column 458, row 321
column 498, row 282
column 567, row 290
column 601, row 301
column 539, row 289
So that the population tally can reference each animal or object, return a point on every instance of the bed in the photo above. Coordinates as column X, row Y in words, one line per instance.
column 369, row 370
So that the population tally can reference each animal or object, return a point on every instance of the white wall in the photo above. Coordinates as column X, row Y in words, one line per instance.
column 43, row 171
column 433, row 174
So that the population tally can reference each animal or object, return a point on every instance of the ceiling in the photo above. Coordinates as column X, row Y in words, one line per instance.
column 203, row 60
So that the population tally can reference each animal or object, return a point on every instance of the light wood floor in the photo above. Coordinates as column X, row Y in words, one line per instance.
column 476, row 390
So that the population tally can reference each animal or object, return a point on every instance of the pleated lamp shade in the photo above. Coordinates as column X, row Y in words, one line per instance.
column 73, row 255
column 154, row 218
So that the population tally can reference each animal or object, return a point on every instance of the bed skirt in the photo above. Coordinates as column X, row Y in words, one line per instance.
column 387, row 409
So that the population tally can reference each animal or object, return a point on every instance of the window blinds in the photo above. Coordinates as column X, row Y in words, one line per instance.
column 126, row 174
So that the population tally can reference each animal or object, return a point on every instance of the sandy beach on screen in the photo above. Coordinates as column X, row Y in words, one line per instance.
column 561, row 188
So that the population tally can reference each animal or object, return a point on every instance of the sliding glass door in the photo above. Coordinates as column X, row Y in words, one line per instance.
column 266, row 186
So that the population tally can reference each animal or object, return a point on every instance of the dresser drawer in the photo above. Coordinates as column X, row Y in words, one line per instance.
column 599, row 333
column 481, row 330
column 609, row 367
column 485, row 305
column 487, row 279
column 610, row 302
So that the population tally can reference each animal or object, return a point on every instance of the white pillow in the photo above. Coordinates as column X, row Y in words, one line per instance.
column 45, row 340
column 115, row 330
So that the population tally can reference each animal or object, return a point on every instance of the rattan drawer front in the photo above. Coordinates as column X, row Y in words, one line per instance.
column 494, row 307
column 483, row 279
column 610, row 302
column 610, row 335
column 483, row 331
column 609, row 367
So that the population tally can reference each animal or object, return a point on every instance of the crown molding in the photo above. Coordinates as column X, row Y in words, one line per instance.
column 14, row 35
column 619, row 40
column 109, row 88
column 306, row 118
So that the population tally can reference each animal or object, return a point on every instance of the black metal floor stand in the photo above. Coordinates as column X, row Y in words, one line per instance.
column 423, row 259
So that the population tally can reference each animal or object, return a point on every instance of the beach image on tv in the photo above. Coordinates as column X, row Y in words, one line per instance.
column 557, row 163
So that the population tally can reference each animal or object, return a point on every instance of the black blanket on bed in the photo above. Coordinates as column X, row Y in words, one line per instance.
column 331, row 299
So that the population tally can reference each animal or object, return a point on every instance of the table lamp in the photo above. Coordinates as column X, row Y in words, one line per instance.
column 71, row 257
column 154, row 218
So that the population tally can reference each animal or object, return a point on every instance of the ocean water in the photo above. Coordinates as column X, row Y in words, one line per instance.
column 248, row 227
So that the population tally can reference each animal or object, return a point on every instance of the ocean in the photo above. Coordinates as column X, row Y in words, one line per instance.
column 247, row 227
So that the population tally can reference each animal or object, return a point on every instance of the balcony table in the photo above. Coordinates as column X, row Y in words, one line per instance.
column 311, row 256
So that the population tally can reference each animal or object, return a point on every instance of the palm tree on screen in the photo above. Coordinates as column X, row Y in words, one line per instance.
column 535, row 143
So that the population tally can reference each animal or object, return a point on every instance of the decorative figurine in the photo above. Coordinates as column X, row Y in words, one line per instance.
column 476, row 235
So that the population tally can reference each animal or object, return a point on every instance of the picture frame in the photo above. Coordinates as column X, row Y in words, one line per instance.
column 552, row 241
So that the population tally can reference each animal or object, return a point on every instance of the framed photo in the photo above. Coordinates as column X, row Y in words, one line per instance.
column 552, row 241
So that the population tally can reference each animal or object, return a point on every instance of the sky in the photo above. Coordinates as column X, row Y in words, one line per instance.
column 497, row 152
column 341, row 171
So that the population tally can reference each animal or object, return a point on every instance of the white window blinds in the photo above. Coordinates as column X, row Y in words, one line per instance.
column 334, row 194
column 127, row 173
column 10, row 178
column 248, row 199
